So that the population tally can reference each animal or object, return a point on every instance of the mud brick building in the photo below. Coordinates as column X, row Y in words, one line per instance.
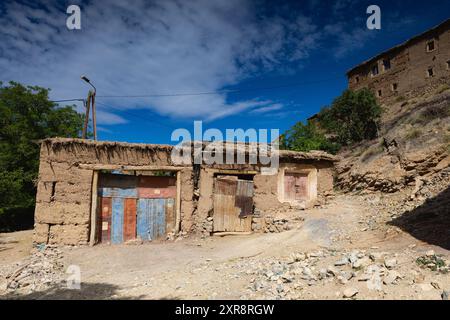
column 420, row 65
column 110, row 192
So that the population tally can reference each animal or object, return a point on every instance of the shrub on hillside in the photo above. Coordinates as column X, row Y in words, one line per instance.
column 352, row 117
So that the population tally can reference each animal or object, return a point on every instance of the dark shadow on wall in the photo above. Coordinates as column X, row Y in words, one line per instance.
column 88, row 291
column 429, row 222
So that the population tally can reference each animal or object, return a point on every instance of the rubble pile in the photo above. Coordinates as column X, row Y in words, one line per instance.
column 275, row 225
column 42, row 270
column 290, row 277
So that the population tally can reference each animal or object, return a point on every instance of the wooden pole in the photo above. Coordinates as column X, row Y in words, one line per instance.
column 86, row 119
column 94, row 205
column 178, row 204
column 94, row 117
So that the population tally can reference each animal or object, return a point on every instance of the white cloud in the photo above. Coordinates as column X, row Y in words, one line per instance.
column 266, row 109
column 156, row 47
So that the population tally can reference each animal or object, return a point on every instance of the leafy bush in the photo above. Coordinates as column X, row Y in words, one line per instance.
column 307, row 137
column 352, row 117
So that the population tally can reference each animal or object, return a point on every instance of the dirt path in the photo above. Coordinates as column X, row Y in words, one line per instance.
column 261, row 266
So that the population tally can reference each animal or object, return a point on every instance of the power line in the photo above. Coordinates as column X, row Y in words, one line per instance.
column 140, row 117
column 206, row 92
column 219, row 91
column 67, row 100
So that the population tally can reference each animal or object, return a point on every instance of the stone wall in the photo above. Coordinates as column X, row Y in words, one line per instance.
column 409, row 66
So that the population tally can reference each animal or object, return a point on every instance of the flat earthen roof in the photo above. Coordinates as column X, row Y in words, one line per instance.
column 284, row 154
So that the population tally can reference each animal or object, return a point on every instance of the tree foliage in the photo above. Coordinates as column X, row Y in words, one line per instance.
column 307, row 137
column 26, row 116
column 351, row 118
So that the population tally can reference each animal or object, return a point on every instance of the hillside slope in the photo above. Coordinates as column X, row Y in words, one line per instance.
column 413, row 146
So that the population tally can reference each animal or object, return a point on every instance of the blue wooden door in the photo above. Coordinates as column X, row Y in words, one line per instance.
column 117, row 220
column 151, row 218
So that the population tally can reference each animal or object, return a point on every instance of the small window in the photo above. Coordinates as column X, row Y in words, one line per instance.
column 430, row 72
column 394, row 87
column 357, row 79
column 375, row 70
column 448, row 65
column 386, row 64
column 430, row 46
column 380, row 93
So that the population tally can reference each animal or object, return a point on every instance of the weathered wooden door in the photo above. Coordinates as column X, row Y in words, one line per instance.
column 133, row 207
column 233, row 204
column 296, row 186
column 118, row 196
column 151, row 218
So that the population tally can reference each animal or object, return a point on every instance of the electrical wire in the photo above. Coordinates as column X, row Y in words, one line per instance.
column 219, row 91
column 140, row 117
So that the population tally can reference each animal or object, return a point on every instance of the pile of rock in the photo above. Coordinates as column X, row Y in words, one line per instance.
column 286, row 278
column 207, row 226
column 275, row 225
column 42, row 270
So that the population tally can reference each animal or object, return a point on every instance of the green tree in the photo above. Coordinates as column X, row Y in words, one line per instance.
column 306, row 137
column 352, row 117
column 26, row 116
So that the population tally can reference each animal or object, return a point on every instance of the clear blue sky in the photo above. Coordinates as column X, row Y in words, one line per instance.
column 289, row 59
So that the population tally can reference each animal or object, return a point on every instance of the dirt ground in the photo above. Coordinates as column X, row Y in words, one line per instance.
column 302, row 263
column 15, row 246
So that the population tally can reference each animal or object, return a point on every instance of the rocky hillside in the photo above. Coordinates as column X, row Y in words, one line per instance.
column 413, row 146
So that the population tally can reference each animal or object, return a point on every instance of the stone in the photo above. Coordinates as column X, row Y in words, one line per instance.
column 332, row 270
column 353, row 257
column 344, row 261
column 362, row 263
column 430, row 253
column 445, row 295
column 391, row 277
column 426, row 287
column 376, row 256
column 296, row 257
column 390, row 263
column 350, row 292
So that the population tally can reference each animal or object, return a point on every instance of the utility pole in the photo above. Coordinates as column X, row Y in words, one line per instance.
column 90, row 101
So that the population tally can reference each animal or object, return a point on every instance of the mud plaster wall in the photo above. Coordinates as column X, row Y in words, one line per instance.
column 64, row 191
column 266, row 189
column 409, row 67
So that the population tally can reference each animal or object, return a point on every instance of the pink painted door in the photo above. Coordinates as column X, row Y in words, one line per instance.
column 296, row 186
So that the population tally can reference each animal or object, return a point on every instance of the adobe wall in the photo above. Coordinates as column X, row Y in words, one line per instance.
column 409, row 65
column 64, row 190
column 267, row 189
column 66, row 172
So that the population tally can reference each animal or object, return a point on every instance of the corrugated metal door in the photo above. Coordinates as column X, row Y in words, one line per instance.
column 233, row 204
